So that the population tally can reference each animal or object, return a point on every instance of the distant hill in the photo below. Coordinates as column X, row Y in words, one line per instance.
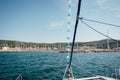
column 101, row 44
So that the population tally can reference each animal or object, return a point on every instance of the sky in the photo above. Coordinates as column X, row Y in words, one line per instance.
column 44, row 21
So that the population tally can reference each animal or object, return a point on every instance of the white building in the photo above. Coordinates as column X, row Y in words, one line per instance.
column 5, row 48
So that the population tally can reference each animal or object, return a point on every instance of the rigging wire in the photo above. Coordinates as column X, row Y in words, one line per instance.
column 97, row 30
column 82, row 18
column 80, row 68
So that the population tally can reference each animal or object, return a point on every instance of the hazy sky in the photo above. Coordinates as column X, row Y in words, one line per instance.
column 45, row 20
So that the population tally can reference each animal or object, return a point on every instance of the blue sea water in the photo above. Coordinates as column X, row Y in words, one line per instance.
column 51, row 65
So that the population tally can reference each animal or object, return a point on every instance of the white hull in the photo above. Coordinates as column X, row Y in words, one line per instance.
column 93, row 78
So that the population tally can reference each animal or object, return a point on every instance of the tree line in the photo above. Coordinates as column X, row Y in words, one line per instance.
column 101, row 44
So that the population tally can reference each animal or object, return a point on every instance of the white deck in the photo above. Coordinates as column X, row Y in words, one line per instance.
column 93, row 78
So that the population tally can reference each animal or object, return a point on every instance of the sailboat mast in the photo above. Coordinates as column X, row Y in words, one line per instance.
column 75, row 30
column 108, row 45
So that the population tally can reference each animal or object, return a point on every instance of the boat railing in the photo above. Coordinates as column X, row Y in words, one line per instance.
column 116, row 74
column 19, row 77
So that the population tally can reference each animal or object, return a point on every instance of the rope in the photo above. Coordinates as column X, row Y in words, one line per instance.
column 84, row 70
column 65, row 72
column 98, row 31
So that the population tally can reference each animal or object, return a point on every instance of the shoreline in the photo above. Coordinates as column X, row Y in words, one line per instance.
column 28, row 51
column 62, row 51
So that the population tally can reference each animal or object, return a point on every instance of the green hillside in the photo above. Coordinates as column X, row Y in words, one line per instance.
column 101, row 44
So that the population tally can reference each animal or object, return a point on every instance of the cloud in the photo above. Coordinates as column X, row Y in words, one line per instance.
column 55, row 24
column 101, row 2
column 108, row 5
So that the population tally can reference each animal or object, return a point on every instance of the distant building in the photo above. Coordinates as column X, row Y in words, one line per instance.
column 88, row 47
column 5, row 48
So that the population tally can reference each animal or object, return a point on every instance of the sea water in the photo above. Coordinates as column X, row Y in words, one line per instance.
column 51, row 65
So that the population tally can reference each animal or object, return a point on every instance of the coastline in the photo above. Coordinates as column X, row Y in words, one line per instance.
column 27, row 50
column 61, row 51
